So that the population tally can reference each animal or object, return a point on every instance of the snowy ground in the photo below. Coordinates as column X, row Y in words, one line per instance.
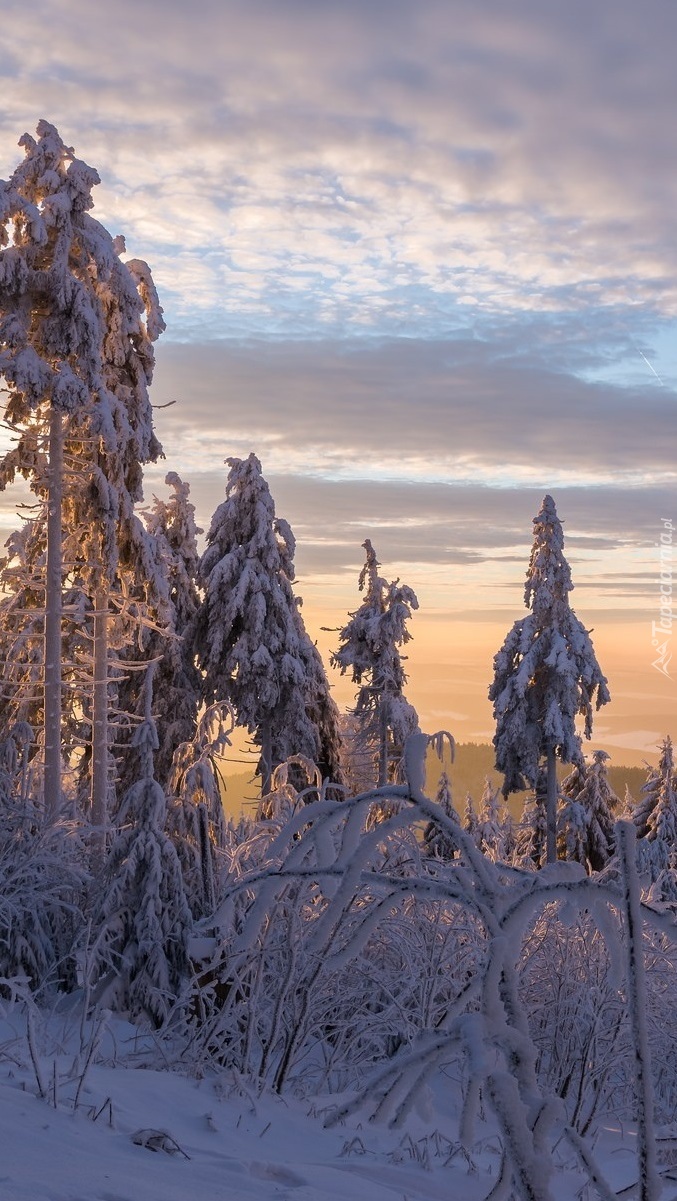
column 232, row 1145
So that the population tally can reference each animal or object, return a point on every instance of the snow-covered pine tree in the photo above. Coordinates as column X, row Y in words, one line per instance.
column 143, row 919
column 571, row 818
column 22, row 630
column 491, row 830
column 167, row 646
column 663, row 890
column 195, row 817
column 660, row 840
column 597, row 801
column 545, row 675
column 321, row 708
column 470, row 818
column 76, row 332
column 642, row 812
column 356, row 762
column 662, row 824
column 530, row 846
column 436, row 841
column 47, row 327
column 369, row 649
column 248, row 629
column 120, row 563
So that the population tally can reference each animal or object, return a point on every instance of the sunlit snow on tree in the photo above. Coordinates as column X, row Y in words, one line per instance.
column 545, row 675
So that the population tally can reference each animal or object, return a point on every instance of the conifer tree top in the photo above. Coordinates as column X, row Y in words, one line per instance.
column 548, row 580
column 75, row 321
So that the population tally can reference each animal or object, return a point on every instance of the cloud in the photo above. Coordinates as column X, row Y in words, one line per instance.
column 420, row 411
column 377, row 167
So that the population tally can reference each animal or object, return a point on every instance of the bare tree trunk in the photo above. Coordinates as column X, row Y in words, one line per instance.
column 99, row 796
column 53, row 607
column 649, row 1182
column 551, row 808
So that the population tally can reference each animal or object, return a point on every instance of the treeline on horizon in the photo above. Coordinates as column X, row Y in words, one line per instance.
column 473, row 762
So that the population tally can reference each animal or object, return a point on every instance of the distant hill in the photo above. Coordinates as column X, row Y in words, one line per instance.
column 473, row 762
column 241, row 794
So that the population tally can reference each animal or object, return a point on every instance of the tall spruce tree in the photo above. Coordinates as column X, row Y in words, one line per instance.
column 545, row 676
column 249, row 636
column 48, row 328
column 76, row 332
column 370, row 650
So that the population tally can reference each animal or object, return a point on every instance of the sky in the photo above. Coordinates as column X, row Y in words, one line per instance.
column 421, row 257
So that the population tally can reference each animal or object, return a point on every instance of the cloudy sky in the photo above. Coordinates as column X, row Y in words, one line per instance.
column 422, row 258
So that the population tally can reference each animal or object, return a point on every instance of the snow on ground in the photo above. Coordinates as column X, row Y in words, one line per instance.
column 271, row 1150
column 232, row 1146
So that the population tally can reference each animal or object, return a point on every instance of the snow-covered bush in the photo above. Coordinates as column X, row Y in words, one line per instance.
column 41, row 897
column 577, row 1016
column 338, row 968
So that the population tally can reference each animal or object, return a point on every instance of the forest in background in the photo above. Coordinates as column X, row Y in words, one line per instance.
column 473, row 762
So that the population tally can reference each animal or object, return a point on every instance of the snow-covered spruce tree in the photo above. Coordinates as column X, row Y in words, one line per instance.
column 249, row 638
column 586, row 819
column 492, row 836
column 76, row 328
column 47, row 326
column 120, row 568
column 571, row 817
column 143, row 919
column 643, row 811
column 657, row 847
column 663, row 891
column 662, row 824
column 22, row 629
column 321, row 708
column 167, row 646
column 195, row 817
column 436, row 840
column 369, row 649
column 545, row 675
column 357, row 762
column 470, row 818
column 530, row 847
